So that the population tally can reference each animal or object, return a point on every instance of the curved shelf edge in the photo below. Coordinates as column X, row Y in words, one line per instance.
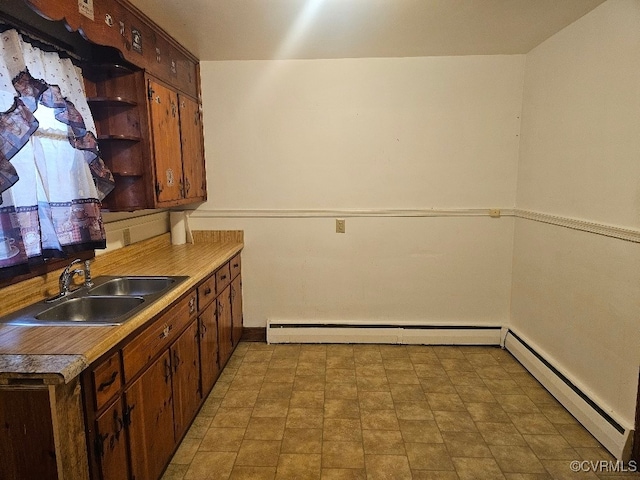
column 126, row 138
column 112, row 101
column 115, row 69
column 127, row 174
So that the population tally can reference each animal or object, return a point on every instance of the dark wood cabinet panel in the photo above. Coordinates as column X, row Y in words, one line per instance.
column 185, row 362
column 236, row 310
column 110, row 444
column 167, row 153
column 191, row 136
column 151, row 436
column 209, row 365
column 25, row 416
column 225, row 345
column 107, row 380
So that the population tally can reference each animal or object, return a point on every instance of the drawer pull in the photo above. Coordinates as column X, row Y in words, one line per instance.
column 108, row 383
column 207, row 290
column 192, row 304
column 223, row 277
column 165, row 331
column 236, row 265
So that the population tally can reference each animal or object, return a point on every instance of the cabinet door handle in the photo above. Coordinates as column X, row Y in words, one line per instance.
column 167, row 370
column 203, row 329
column 119, row 424
column 108, row 383
column 126, row 415
column 99, row 445
column 192, row 304
column 176, row 361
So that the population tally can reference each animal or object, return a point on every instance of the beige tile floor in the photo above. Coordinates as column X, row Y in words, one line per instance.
column 382, row 412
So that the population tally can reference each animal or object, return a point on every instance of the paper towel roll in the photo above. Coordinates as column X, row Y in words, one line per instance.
column 178, row 228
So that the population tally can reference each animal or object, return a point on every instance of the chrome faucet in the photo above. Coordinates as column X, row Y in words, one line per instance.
column 67, row 275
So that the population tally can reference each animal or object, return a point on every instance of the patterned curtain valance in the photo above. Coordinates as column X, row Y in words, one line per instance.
column 51, row 176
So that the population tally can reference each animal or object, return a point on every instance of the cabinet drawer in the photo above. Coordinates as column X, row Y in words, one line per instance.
column 206, row 292
column 107, row 380
column 158, row 336
column 223, row 277
column 234, row 265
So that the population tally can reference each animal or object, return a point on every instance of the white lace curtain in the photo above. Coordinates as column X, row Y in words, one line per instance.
column 51, row 176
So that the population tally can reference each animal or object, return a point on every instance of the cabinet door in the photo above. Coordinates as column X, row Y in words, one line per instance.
column 151, row 437
column 209, row 366
column 185, row 360
column 195, row 182
column 236, row 310
column 110, row 446
column 167, row 154
column 224, row 326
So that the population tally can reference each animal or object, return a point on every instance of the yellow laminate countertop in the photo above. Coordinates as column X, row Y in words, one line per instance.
column 58, row 354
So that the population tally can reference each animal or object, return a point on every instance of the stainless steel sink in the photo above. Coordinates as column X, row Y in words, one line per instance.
column 111, row 301
column 90, row 309
column 133, row 286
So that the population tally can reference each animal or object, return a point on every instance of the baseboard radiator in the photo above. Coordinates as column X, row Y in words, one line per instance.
column 609, row 431
column 294, row 331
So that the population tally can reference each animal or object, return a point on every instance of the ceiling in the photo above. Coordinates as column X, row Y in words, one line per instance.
column 285, row 29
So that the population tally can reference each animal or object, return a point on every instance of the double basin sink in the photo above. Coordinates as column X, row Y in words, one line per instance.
column 111, row 301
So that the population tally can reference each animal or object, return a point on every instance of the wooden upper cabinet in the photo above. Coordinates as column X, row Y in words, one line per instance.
column 144, row 96
column 119, row 24
column 191, row 136
column 167, row 151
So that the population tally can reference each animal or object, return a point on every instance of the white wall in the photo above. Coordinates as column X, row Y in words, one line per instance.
column 373, row 135
column 576, row 295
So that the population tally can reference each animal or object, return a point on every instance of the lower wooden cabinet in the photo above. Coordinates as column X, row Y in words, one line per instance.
column 185, row 378
column 225, row 346
column 236, row 310
column 110, row 443
column 210, row 368
column 149, row 402
column 141, row 397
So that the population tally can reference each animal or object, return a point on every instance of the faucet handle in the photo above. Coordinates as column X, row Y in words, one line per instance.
column 88, row 282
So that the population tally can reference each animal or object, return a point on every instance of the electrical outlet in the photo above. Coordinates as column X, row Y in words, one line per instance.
column 494, row 213
column 340, row 228
column 126, row 237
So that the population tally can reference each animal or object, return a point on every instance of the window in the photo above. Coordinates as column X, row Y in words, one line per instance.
column 52, row 179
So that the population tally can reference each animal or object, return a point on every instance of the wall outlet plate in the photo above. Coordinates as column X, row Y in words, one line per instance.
column 340, row 226
column 494, row 213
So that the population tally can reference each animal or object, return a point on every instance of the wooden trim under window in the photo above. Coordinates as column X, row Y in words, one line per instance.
column 48, row 266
